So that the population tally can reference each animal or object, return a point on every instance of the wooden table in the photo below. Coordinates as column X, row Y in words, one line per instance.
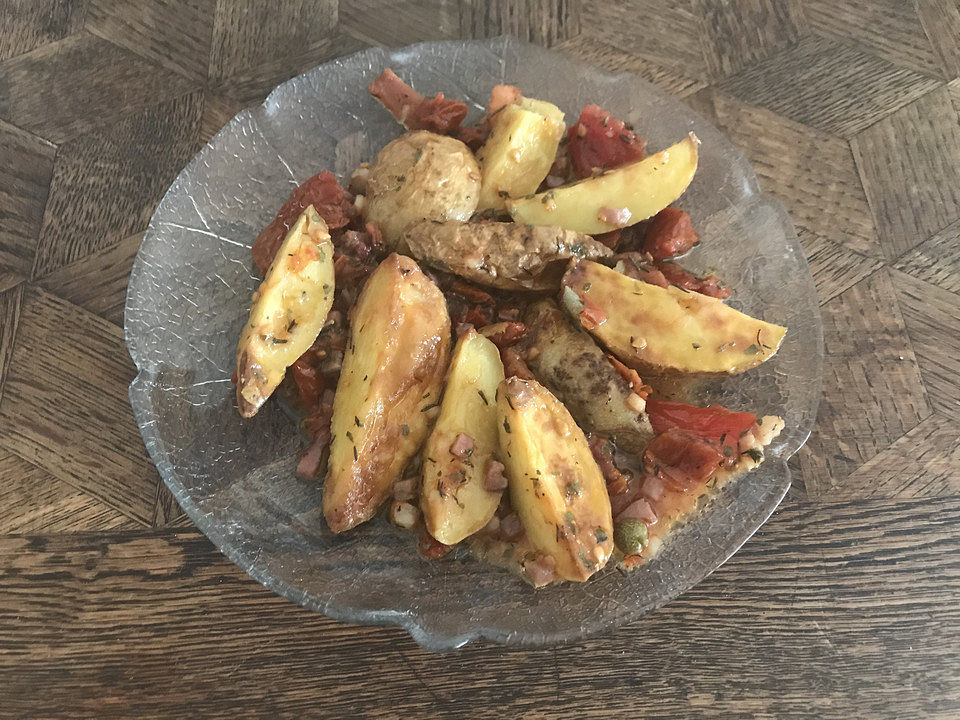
column 844, row 605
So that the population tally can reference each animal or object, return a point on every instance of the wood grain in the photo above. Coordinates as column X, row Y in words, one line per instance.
column 941, row 21
column 66, row 88
column 10, row 304
column 739, row 33
column 829, row 86
column 598, row 53
column 382, row 22
column 872, row 390
column 822, row 608
column 247, row 33
column 932, row 317
column 28, row 24
column 910, row 165
column 36, row 502
column 67, row 411
column 891, row 29
column 665, row 32
column 26, row 164
column 540, row 21
column 834, row 268
column 811, row 172
column 106, row 184
column 174, row 34
column 98, row 281
column 937, row 260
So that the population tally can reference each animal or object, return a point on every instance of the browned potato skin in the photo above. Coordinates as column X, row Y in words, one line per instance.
column 392, row 375
column 501, row 254
column 421, row 176
column 569, row 363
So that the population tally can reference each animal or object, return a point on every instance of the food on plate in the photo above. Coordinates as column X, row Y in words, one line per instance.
column 583, row 377
column 287, row 311
column 519, row 150
column 501, row 254
column 421, row 176
column 462, row 474
column 616, row 198
column 555, row 485
column 552, row 441
column 389, row 386
column 666, row 329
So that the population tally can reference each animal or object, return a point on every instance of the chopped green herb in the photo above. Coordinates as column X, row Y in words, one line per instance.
column 754, row 454
column 600, row 534
column 405, row 430
column 506, row 425
column 752, row 350
column 483, row 397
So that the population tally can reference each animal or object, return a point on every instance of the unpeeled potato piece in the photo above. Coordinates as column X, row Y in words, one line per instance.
column 556, row 487
column 287, row 312
column 617, row 198
column 388, row 390
column 666, row 329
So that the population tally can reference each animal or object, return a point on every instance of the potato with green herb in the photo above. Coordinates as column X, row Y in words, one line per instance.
column 421, row 176
column 567, row 360
column 519, row 151
column 665, row 330
column 617, row 198
column 388, row 390
column 461, row 470
column 556, row 487
column 288, row 311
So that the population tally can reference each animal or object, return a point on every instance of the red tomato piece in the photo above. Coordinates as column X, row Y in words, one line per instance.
column 328, row 199
column 682, row 459
column 413, row 110
column 599, row 141
column 708, row 285
column 714, row 423
column 430, row 547
column 310, row 384
column 669, row 234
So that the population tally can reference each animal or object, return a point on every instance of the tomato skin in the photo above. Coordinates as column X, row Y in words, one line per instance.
column 598, row 140
column 669, row 234
column 310, row 384
column 328, row 199
column 714, row 423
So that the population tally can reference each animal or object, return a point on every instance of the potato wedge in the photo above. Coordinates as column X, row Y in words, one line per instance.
column 421, row 176
column 287, row 312
column 568, row 362
column 453, row 499
column 617, row 198
column 519, row 151
column 501, row 254
column 390, row 382
column 555, row 485
column 668, row 330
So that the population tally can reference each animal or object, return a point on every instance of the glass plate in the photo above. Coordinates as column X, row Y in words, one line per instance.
column 189, row 294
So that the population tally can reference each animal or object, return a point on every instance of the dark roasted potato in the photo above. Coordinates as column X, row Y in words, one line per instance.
column 501, row 254
column 390, row 383
column 569, row 363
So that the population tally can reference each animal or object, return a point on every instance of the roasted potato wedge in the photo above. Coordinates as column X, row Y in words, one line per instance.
column 453, row 498
column 519, row 151
column 501, row 254
column 287, row 312
column 555, row 485
column 568, row 362
column 617, row 198
column 666, row 330
column 390, row 381
column 421, row 176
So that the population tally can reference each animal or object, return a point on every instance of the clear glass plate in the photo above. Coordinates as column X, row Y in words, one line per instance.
column 188, row 299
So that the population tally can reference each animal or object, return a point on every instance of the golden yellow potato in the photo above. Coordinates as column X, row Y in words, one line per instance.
column 501, row 254
column 617, row 198
column 421, row 176
column 519, row 151
column 288, row 311
column 453, row 498
column 389, row 386
column 555, row 485
column 656, row 329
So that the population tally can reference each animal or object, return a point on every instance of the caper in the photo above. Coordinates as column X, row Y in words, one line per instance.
column 630, row 536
